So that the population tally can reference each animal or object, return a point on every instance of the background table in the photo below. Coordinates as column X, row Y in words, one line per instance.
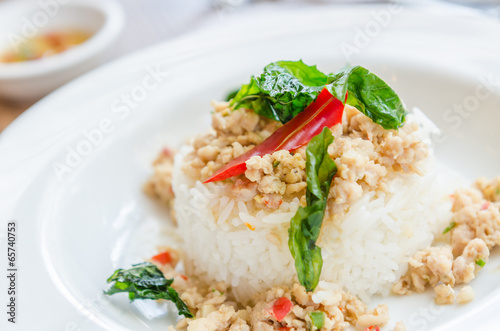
column 147, row 22
column 152, row 21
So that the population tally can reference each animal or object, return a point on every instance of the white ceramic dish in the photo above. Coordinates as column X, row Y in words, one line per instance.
column 21, row 20
column 77, row 226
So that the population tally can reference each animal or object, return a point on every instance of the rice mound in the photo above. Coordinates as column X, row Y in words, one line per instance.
column 365, row 250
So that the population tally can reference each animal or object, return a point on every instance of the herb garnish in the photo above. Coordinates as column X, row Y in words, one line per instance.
column 370, row 95
column 232, row 94
column 325, row 111
column 318, row 319
column 480, row 263
column 451, row 226
column 146, row 281
column 305, row 226
column 283, row 90
column 286, row 88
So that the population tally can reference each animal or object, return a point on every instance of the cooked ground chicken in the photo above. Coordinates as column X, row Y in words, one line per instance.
column 429, row 266
column 214, row 310
column 474, row 230
column 366, row 156
column 490, row 189
column 377, row 316
column 465, row 266
column 475, row 217
column 444, row 294
column 400, row 326
column 159, row 185
column 234, row 133
column 364, row 152
column 465, row 295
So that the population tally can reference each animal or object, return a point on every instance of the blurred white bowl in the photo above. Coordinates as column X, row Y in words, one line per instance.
column 30, row 80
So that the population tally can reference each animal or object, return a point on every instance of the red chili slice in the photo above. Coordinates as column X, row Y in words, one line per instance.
column 326, row 110
column 162, row 258
column 281, row 308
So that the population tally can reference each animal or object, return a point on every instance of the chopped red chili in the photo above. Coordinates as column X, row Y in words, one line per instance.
column 162, row 258
column 281, row 308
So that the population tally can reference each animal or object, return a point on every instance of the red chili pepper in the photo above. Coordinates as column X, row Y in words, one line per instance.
column 326, row 110
column 167, row 152
column 184, row 277
column 281, row 308
column 162, row 258
column 485, row 206
column 372, row 328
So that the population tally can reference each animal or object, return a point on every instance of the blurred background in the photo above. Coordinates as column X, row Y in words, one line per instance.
column 145, row 22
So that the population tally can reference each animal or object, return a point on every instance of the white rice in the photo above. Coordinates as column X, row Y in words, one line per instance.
column 365, row 250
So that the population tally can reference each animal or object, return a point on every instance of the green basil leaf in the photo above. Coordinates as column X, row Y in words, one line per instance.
column 232, row 94
column 251, row 97
column 370, row 95
column 286, row 88
column 305, row 74
column 301, row 241
column 283, row 90
column 305, row 225
column 319, row 167
column 146, row 281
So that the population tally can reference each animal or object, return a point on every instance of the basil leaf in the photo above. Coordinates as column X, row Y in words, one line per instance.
column 320, row 168
column 283, row 90
column 286, row 88
column 251, row 97
column 302, row 244
column 370, row 95
column 146, row 281
column 307, row 75
column 232, row 94
column 305, row 226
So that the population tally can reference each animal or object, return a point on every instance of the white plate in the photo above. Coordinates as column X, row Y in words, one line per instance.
column 76, row 228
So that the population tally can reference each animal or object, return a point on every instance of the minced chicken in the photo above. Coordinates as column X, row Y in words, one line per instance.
column 215, row 311
column 365, row 154
column 474, row 230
